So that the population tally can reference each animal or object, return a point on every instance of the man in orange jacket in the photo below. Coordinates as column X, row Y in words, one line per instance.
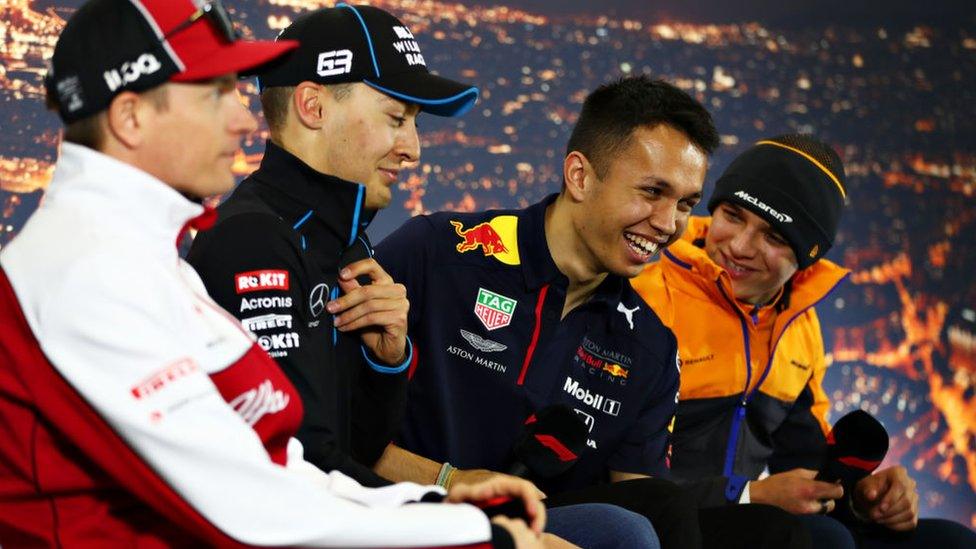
column 739, row 291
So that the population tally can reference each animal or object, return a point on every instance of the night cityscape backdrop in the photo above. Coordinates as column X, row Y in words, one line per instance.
column 892, row 91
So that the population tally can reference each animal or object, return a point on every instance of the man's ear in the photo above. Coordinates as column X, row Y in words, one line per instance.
column 307, row 104
column 578, row 175
column 126, row 119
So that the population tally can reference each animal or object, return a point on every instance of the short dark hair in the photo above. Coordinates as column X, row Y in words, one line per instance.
column 613, row 111
column 275, row 100
column 89, row 131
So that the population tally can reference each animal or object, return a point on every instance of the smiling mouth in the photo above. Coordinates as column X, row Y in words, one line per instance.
column 641, row 246
column 391, row 175
column 735, row 269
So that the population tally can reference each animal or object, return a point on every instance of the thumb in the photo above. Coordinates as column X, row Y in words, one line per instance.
column 873, row 486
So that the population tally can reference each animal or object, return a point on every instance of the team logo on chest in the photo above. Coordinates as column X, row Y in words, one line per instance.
column 494, row 310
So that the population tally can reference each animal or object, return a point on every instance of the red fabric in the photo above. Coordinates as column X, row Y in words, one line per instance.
column 66, row 477
column 535, row 334
column 254, row 386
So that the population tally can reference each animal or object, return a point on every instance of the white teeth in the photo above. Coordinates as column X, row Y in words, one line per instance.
column 641, row 245
column 736, row 267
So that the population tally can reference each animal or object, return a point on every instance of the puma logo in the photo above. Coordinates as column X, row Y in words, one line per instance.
column 628, row 313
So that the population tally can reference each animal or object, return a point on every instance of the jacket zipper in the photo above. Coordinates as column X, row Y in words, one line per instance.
column 740, row 411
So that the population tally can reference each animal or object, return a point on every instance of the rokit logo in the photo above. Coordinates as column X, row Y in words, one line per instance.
column 254, row 281
column 131, row 71
column 334, row 62
column 276, row 342
column 605, row 405
column 249, row 304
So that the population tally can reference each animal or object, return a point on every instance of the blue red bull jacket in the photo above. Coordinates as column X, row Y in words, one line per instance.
column 490, row 348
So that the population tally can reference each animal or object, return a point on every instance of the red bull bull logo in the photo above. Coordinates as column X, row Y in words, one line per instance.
column 615, row 370
column 482, row 235
column 497, row 238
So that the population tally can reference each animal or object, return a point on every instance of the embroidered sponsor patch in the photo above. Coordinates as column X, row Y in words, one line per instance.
column 254, row 281
column 159, row 380
column 606, row 405
column 607, row 364
column 481, row 343
column 494, row 310
column 258, row 402
column 249, row 304
column 497, row 238
column 266, row 322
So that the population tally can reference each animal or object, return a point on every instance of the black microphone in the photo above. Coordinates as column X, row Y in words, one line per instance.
column 550, row 443
column 856, row 446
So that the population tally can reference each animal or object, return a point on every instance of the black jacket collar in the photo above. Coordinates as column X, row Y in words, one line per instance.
column 301, row 192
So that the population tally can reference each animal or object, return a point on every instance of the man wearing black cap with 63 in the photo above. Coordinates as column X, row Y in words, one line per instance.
column 289, row 255
column 342, row 111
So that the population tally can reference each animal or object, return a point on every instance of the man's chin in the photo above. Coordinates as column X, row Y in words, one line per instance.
column 377, row 200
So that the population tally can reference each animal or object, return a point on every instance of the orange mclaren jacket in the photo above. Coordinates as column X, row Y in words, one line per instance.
column 751, row 379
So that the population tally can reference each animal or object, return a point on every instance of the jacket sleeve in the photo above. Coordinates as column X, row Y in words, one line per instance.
column 801, row 439
column 252, row 266
column 106, row 329
column 647, row 448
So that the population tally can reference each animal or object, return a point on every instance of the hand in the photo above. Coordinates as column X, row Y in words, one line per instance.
column 796, row 491
column 888, row 497
column 552, row 541
column 523, row 537
column 378, row 310
column 475, row 476
column 503, row 486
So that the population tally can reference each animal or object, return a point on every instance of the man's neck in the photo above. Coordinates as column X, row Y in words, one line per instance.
column 570, row 254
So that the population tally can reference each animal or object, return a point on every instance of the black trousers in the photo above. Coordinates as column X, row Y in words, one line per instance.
column 681, row 522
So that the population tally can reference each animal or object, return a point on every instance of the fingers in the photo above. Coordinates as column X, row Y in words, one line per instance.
column 521, row 534
column 874, row 486
column 382, row 315
column 803, row 473
column 825, row 490
column 368, row 267
column 364, row 294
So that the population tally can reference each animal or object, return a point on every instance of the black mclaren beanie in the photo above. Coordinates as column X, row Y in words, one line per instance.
column 796, row 184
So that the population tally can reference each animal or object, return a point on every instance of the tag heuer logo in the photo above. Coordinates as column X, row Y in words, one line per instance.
column 494, row 310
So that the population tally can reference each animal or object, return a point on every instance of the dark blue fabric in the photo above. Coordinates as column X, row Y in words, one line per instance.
column 602, row 526
column 930, row 534
column 617, row 368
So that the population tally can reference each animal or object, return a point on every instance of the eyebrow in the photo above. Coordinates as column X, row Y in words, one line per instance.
column 669, row 187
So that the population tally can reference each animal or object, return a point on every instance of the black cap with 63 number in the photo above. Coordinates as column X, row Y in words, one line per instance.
column 366, row 44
